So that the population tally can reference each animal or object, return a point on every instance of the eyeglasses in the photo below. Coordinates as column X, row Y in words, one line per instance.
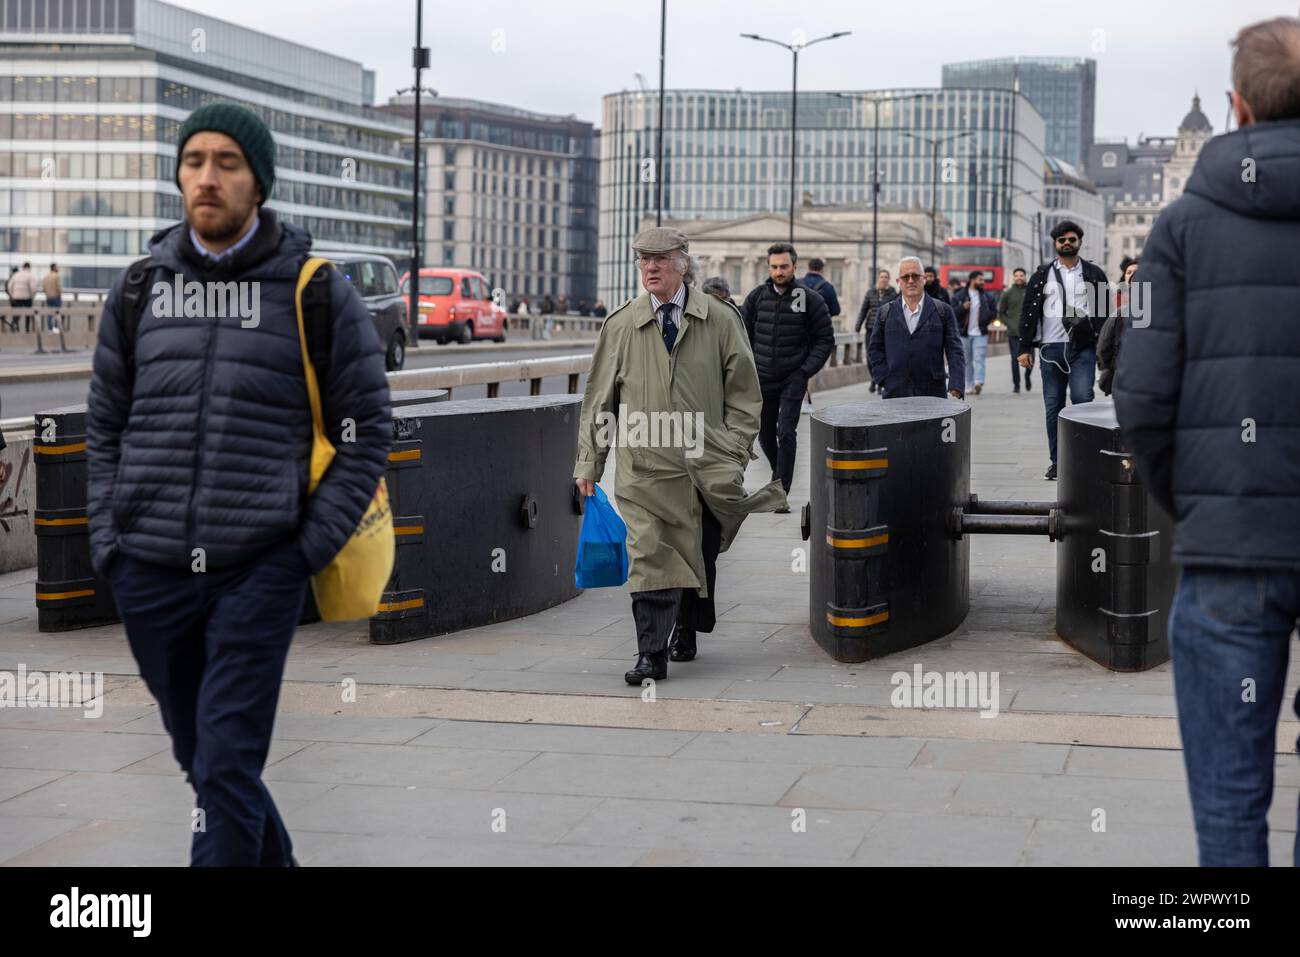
column 910, row 277
column 646, row 259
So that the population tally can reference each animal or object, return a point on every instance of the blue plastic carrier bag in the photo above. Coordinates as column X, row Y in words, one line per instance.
column 602, row 545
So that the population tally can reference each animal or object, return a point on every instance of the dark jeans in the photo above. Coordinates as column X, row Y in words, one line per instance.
column 656, row 612
column 1230, row 633
column 1060, row 368
column 1013, row 343
column 779, row 425
column 211, row 647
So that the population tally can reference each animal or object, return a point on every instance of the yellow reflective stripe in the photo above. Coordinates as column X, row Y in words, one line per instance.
column 60, row 595
column 857, row 463
column 857, row 542
column 401, row 605
column 408, row 529
column 404, row 455
column 59, row 449
column 63, row 521
column 857, row 622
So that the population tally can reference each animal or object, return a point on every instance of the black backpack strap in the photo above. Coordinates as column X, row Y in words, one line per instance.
column 135, row 292
column 317, row 322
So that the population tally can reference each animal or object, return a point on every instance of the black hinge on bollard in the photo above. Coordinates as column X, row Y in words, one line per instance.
column 528, row 511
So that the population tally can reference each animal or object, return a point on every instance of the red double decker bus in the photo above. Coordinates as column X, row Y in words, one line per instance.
column 993, row 257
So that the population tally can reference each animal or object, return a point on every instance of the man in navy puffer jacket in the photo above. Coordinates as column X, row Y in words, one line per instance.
column 198, row 437
column 1205, row 394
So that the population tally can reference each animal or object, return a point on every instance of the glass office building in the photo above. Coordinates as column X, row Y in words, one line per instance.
column 92, row 97
column 510, row 193
column 727, row 155
column 1062, row 89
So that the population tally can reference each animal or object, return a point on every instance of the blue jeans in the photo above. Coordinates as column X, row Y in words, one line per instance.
column 975, row 348
column 1013, row 345
column 1081, row 374
column 1229, row 635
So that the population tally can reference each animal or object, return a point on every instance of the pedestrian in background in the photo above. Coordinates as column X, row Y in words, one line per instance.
column 791, row 334
column 975, row 310
column 1112, row 333
column 910, row 340
column 934, row 289
column 871, row 303
column 1067, row 301
column 1206, row 400
column 819, row 284
column 52, row 287
column 1010, row 303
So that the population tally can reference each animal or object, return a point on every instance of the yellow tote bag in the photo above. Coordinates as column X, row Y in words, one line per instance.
column 351, row 586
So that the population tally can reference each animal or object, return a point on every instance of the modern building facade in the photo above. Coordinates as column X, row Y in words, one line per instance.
column 1062, row 89
column 1137, row 182
column 727, row 157
column 510, row 193
column 1070, row 195
column 92, row 97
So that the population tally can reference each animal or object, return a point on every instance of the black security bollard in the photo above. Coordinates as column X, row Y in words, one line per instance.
column 885, row 571
column 1114, row 578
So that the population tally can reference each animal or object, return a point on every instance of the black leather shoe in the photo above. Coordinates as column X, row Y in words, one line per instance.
column 1029, row 386
column 1051, row 473
column 653, row 666
column 681, row 647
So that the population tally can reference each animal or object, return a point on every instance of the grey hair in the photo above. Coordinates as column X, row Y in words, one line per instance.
column 688, row 273
column 911, row 259
column 716, row 286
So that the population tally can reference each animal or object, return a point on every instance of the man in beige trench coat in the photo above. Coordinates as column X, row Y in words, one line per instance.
column 673, row 383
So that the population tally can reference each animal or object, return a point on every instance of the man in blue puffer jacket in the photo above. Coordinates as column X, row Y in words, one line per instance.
column 198, row 438
column 1205, row 394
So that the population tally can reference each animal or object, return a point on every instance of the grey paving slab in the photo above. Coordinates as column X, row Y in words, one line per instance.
column 1132, row 763
column 711, row 828
column 376, row 674
column 441, row 812
column 397, row 765
column 74, row 750
column 320, row 849
column 679, row 684
column 1095, row 702
column 654, row 778
column 1074, row 798
column 849, row 691
column 1011, row 756
column 111, row 843
column 554, row 738
column 910, row 839
column 15, row 781
column 114, row 716
column 713, row 664
column 660, row 857
column 803, row 749
column 880, row 789
column 1074, row 843
column 165, row 763
column 20, row 835
column 90, row 795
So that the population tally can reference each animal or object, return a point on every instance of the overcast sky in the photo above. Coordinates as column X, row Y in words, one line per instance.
column 561, row 56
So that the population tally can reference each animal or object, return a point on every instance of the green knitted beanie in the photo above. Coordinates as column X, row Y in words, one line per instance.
column 244, row 127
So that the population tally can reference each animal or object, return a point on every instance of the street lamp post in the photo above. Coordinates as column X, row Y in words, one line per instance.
column 794, row 49
column 420, row 60
column 659, row 140
column 935, row 143
column 875, row 102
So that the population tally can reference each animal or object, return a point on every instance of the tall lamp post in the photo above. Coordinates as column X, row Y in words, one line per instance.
column 935, row 143
column 875, row 102
column 419, row 60
column 659, row 139
column 794, row 48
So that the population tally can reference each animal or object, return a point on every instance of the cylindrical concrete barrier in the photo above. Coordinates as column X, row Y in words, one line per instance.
column 1114, row 578
column 485, row 511
column 68, row 592
column 886, row 573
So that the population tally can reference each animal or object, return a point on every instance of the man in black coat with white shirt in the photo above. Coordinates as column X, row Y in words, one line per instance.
column 1065, row 328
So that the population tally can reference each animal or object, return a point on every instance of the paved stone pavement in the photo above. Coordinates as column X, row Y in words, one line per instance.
column 519, row 743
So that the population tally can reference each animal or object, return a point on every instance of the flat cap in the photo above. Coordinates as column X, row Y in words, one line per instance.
column 660, row 239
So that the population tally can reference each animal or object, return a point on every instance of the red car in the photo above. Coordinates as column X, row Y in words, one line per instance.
column 456, row 305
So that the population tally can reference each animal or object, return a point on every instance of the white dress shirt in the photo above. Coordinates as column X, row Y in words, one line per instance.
column 1076, row 293
column 910, row 317
column 976, row 301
